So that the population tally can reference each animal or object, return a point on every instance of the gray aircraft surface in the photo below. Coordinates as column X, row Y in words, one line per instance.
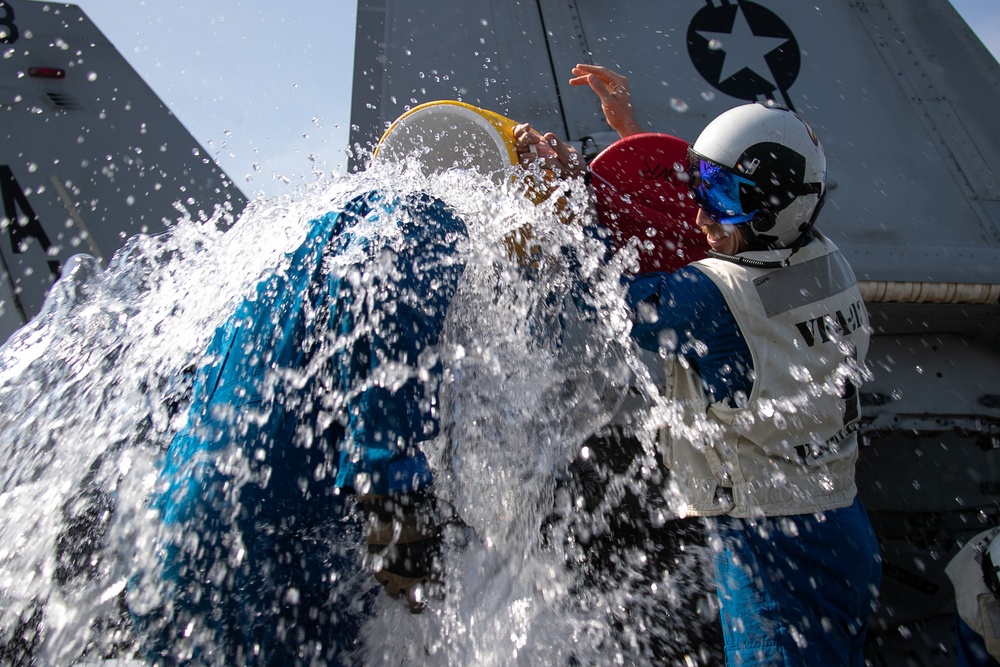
column 904, row 97
column 89, row 155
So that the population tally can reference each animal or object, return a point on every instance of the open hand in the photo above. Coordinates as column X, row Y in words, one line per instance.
column 616, row 100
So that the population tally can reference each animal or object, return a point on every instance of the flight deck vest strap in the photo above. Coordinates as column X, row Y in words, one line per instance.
column 790, row 447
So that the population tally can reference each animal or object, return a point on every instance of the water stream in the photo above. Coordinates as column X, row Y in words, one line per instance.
column 536, row 361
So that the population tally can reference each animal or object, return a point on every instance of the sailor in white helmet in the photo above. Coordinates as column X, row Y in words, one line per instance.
column 975, row 574
column 765, row 344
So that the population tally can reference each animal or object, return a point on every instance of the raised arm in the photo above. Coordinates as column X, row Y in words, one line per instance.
column 616, row 100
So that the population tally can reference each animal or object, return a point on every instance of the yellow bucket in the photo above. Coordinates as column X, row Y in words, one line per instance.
column 447, row 135
column 443, row 135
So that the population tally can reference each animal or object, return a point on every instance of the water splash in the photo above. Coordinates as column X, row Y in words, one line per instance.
column 93, row 389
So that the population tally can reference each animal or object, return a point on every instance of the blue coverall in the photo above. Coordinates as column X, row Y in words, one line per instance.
column 258, row 557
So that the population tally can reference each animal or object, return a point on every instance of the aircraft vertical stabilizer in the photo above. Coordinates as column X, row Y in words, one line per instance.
column 89, row 156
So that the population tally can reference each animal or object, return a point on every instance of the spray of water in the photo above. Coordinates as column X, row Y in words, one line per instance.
column 535, row 363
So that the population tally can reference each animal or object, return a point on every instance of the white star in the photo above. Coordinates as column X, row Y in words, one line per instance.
column 744, row 49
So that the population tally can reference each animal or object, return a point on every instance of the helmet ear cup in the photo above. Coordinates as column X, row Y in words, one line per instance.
column 764, row 221
column 778, row 207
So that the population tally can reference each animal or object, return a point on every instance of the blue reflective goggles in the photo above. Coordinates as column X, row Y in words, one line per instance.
column 716, row 190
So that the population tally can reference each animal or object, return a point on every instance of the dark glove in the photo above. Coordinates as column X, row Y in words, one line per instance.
column 404, row 537
column 578, row 493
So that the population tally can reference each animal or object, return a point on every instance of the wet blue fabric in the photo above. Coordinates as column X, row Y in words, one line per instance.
column 260, row 538
column 689, row 303
column 396, row 318
column 970, row 648
column 797, row 590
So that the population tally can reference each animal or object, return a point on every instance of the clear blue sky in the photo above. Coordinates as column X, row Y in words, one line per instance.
column 264, row 85
column 257, row 82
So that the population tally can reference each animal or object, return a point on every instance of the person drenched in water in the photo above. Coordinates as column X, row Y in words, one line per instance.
column 316, row 396
column 257, row 550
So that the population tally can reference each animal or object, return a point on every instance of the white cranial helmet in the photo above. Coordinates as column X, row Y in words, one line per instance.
column 760, row 166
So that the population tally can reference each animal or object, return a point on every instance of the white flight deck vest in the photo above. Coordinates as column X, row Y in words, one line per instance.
column 791, row 446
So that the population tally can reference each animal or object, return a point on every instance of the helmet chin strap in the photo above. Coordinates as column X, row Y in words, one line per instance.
column 757, row 243
column 816, row 209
